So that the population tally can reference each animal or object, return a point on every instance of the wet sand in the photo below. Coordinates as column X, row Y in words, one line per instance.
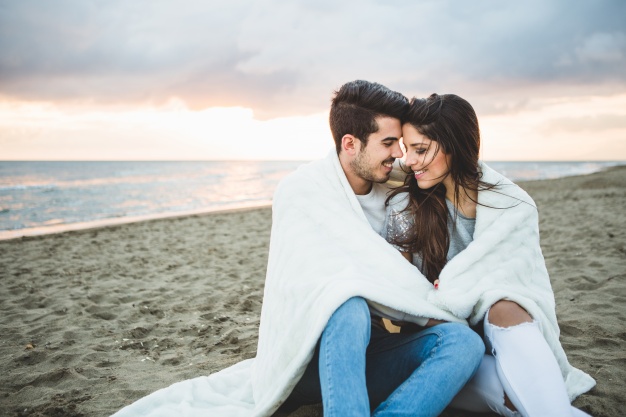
column 92, row 320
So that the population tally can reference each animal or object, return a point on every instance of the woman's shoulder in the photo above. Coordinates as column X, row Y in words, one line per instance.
column 398, row 202
column 502, row 190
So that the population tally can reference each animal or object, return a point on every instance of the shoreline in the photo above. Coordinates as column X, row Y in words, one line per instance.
column 93, row 320
column 103, row 223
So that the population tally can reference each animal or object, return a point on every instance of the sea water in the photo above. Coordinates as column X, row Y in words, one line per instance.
column 44, row 197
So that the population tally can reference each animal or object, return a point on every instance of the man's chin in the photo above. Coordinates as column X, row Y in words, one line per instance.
column 383, row 178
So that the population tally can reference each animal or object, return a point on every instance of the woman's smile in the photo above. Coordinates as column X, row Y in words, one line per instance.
column 419, row 174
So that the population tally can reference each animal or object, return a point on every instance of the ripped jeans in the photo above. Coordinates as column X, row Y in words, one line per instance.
column 518, row 362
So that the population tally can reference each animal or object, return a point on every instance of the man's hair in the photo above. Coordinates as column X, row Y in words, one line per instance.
column 356, row 105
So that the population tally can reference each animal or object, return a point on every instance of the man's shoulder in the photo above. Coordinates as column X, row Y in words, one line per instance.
column 307, row 177
column 302, row 170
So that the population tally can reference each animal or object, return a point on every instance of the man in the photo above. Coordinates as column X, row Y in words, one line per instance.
column 358, row 365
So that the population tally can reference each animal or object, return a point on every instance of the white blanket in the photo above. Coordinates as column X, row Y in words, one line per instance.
column 322, row 252
column 504, row 261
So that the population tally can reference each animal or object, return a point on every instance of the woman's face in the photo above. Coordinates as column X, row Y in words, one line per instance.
column 425, row 157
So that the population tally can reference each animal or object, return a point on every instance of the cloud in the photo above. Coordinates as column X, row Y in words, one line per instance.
column 603, row 47
column 596, row 123
column 284, row 58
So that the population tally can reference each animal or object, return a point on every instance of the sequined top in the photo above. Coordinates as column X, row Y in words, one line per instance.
column 398, row 224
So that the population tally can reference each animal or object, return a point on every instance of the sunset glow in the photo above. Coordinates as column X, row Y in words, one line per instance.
column 589, row 128
column 240, row 81
column 170, row 132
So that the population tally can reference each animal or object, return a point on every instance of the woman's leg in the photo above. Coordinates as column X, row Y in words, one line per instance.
column 525, row 364
column 484, row 393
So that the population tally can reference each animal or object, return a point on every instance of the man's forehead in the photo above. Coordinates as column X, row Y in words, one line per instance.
column 388, row 128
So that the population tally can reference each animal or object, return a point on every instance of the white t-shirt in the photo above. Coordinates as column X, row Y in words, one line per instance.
column 373, row 205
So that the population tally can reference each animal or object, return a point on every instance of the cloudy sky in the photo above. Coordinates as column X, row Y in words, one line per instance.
column 233, row 79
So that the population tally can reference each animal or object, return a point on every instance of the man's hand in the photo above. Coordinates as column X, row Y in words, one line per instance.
column 434, row 322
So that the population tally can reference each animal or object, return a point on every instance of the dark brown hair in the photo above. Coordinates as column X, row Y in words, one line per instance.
column 451, row 122
column 356, row 105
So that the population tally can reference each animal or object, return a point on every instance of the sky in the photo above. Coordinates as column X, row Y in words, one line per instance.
column 252, row 80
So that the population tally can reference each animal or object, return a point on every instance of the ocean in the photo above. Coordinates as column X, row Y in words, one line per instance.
column 48, row 197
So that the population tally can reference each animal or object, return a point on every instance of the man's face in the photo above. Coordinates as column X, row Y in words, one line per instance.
column 374, row 161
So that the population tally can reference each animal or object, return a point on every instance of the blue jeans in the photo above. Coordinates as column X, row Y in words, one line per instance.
column 358, row 367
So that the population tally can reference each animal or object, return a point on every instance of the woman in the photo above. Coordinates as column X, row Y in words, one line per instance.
column 474, row 235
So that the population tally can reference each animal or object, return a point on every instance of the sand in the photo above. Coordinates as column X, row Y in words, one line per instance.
column 92, row 320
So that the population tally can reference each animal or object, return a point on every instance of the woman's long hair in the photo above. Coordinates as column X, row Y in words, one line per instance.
column 451, row 122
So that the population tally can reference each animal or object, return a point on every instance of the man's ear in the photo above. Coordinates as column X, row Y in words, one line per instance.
column 349, row 144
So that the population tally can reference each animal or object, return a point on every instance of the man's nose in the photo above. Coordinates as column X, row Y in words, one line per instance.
column 396, row 150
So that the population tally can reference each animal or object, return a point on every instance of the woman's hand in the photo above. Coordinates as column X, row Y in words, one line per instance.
column 434, row 322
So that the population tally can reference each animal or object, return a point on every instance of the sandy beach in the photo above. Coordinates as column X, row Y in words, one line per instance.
column 93, row 320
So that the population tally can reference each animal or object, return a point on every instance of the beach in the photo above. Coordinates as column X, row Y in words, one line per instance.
column 95, row 319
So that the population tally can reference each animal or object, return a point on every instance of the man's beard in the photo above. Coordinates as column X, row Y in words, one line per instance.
column 364, row 169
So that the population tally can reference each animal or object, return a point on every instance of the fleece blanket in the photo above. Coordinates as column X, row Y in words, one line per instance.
column 322, row 252
column 504, row 261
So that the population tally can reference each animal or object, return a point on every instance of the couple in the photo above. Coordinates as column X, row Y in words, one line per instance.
column 360, row 367
column 454, row 244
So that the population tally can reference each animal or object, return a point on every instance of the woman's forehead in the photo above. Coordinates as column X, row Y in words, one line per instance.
column 414, row 138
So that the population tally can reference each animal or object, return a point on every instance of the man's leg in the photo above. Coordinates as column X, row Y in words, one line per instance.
column 336, row 374
column 418, row 374
column 451, row 351
column 342, row 360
